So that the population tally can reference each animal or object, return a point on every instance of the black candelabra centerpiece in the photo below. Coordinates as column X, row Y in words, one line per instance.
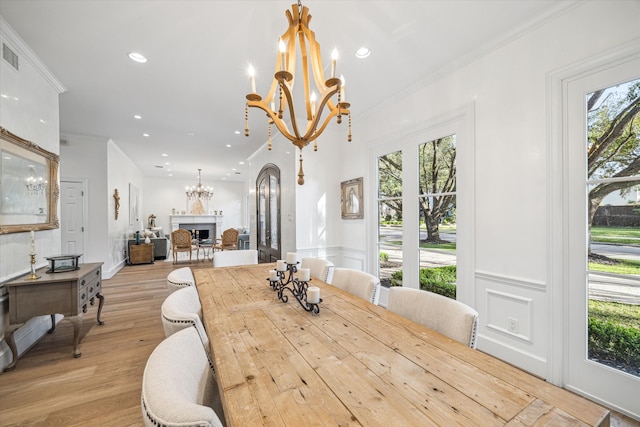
column 284, row 280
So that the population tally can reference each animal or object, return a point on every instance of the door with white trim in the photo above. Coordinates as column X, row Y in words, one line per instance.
column 72, row 217
column 590, row 167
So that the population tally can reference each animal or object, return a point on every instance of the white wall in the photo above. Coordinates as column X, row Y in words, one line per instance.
column 120, row 173
column 105, row 236
column 29, row 109
column 162, row 194
column 508, row 88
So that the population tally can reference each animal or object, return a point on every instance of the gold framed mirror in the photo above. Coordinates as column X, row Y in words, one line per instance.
column 29, row 188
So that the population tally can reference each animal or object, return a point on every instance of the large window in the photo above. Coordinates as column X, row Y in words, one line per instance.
column 613, row 218
column 390, row 217
column 437, row 213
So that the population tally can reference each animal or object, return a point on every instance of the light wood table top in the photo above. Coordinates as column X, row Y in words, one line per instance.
column 359, row 364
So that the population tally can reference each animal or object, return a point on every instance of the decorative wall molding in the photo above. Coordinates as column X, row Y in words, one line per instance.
column 501, row 306
column 512, row 281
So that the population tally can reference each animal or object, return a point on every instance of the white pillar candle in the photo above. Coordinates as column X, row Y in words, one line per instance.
column 304, row 274
column 313, row 294
column 33, row 242
column 273, row 275
column 281, row 265
column 292, row 258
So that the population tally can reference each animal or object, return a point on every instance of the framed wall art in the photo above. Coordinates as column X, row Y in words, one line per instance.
column 351, row 199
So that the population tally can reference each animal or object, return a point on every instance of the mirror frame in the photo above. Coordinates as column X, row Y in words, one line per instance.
column 52, row 162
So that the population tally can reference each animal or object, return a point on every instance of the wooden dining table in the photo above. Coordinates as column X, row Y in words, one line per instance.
column 358, row 364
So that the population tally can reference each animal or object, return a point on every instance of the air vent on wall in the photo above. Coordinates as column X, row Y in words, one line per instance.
column 10, row 56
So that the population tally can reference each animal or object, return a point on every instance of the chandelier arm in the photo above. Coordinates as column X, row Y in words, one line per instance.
column 305, row 74
column 280, row 124
column 311, row 129
column 292, row 113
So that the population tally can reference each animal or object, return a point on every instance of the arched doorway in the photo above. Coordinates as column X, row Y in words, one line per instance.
column 268, row 210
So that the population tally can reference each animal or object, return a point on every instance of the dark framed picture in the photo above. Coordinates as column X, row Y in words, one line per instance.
column 351, row 199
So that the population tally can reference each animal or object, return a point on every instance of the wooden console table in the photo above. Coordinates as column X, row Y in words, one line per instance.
column 67, row 293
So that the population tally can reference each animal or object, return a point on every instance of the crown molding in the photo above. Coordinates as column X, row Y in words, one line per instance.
column 9, row 35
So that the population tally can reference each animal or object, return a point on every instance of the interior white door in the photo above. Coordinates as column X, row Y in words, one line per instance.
column 72, row 217
column 610, row 386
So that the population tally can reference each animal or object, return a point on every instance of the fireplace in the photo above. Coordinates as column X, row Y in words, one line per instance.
column 204, row 225
column 199, row 231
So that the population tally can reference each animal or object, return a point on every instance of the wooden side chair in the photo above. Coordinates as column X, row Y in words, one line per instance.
column 228, row 241
column 181, row 241
column 447, row 316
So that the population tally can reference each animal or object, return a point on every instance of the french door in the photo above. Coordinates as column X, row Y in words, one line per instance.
column 268, row 206
column 585, row 373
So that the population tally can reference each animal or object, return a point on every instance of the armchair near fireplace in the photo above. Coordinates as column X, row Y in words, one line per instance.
column 228, row 240
column 182, row 241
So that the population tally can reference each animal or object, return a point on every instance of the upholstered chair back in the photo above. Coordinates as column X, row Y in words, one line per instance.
column 358, row 283
column 180, row 278
column 319, row 268
column 178, row 384
column 181, row 310
column 228, row 240
column 230, row 258
column 447, row 316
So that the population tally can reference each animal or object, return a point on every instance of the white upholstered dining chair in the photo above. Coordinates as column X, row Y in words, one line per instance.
column 178, row 384
column 181, row 310
column 180, row 278
column 319, row 267
column 447, row 316
column 358, row 283
column 238, row 257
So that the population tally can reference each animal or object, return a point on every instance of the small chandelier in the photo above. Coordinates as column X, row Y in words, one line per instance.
column 35, row 185
column 282, row 87
column 199, row 192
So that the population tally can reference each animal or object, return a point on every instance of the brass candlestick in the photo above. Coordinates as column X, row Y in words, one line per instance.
column 33, row 275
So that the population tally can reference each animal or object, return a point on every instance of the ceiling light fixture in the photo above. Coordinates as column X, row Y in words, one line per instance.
column 138, row 57
column 282, row 87
column 363, row 52
column 137, row 117
column 199, row 192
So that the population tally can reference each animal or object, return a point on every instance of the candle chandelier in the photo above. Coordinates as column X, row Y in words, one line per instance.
column 199, row 192
column 281, row 90
column 36, row 186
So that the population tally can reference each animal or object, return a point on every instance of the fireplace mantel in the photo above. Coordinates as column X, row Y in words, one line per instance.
column 215, row 220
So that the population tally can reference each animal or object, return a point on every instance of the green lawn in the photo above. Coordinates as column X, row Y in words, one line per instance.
column 619, row 235
column 625, row 266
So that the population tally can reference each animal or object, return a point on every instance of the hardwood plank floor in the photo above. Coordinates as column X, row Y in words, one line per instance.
column 102, row 388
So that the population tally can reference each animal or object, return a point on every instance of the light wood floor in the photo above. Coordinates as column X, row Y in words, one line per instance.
column 102, row 388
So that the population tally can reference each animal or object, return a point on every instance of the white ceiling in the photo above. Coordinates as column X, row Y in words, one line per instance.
column 195, row 80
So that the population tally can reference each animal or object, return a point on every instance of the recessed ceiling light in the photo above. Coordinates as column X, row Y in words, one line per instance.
column 170, row 174
column 241, row 163
column 138, row 57
column 362, row 53
column 146, row 135
column 237, row 132
column 164, row 155
column 167, row 163
column 190, row 134
column 233, row 169
column 137, row 117
column 229, row 145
